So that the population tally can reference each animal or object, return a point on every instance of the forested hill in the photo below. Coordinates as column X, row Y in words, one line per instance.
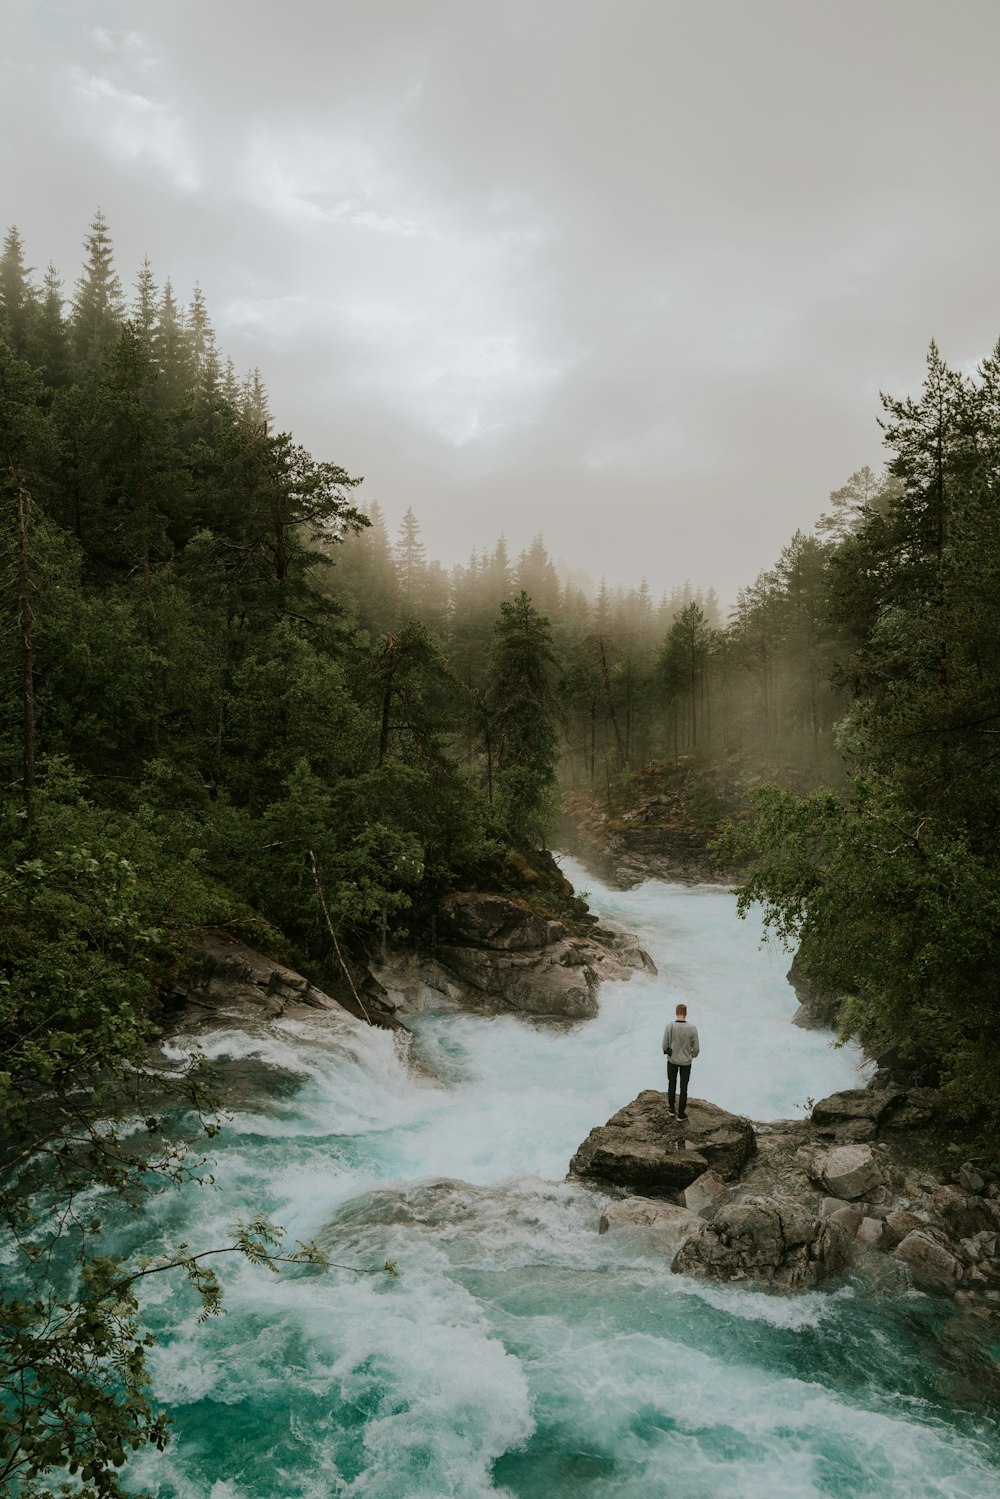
column 232, row 692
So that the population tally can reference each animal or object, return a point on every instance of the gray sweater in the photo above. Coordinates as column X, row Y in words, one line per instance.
column 684, row 1045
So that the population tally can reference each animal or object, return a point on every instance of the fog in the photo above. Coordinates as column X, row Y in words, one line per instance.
column 630, row 275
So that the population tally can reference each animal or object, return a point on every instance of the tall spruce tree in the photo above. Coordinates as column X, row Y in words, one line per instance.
column 99, row 305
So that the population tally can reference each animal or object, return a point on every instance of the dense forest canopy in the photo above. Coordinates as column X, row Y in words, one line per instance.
column 231, row 697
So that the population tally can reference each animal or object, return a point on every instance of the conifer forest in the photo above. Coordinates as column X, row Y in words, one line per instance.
column 236, row 697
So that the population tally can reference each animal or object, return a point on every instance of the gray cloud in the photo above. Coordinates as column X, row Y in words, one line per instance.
column 632, row 275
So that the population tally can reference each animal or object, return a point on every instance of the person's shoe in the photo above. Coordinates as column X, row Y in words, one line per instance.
column 673, row 1113
column 682, row 1118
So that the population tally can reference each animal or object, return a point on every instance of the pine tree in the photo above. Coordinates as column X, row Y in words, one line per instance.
column 171, row 351
column 146, row 302
column 49, row 347
column 99, row 306
column 411, row 564
column 203, row 356
column 521, row 716
column 18, row 297
column 252, row 401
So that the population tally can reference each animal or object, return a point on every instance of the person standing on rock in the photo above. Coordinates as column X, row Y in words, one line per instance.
column 680, row 1045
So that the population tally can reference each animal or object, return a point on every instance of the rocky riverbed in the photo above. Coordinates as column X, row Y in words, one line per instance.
column 790, row 1203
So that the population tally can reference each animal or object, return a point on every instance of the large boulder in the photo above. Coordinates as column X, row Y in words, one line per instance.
column 652, row 1216
column 507, row 956
column 853, row 1106
column 849, row 1171
column 645, row 1148
column 929, row 1259
column 555, row 980
column 765, row 1239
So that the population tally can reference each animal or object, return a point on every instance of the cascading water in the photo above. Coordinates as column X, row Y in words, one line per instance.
column 519, row 1353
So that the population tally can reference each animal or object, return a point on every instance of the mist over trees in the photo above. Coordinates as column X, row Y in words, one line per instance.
column 232, row 696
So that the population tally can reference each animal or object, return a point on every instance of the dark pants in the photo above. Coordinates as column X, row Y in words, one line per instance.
column 673, row 1070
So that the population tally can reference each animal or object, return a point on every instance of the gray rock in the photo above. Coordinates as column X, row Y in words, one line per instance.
column 229, row 982
column 853, row 1105
column 871, row 1233
column 972, row 1180
column 665, row 1219
column 929, row 1260
column 642, row 1147
column 965, row 1216
column 706, row 1194
column 848, row 1216
column 901, row 1223
column 849, row 1171
column 553, row 981
column 765, row 1239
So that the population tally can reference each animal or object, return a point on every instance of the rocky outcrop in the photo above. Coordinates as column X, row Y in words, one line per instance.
column 792, row 1202
column 644, row 1147
column 495, row 952
column 229, row 983
column 765, row 1239
column 818, row 1009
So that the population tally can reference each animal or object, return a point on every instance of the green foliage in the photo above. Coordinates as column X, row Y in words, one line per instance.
column 521, row 711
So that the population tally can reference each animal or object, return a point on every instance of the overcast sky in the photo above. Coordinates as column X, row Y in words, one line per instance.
column 628, row 272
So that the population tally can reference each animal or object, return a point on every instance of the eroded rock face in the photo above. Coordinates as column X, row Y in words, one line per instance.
column 765, row 1239
column 229, row 982
column 643, row 1147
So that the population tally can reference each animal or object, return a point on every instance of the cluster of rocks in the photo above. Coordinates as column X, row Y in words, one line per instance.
column 495, row 952
column 794, row 1202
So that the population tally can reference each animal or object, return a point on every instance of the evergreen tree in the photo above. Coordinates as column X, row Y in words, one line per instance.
column 171, row 351
column 18, row 297
column 411, row 564
column 50, row 347
column 522, row 722
column 99, row 306
column 146, row 302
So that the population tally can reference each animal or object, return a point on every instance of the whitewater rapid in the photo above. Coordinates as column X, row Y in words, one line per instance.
column 520, row 1353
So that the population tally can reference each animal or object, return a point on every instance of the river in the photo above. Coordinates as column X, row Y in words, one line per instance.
column 519, row 1353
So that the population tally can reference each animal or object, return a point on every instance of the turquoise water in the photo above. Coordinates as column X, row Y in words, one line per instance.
column 520, row 1353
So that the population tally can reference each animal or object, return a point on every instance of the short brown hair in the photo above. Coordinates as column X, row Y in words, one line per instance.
column 681, row 1010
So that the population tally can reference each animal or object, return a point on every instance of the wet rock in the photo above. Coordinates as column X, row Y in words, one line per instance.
column 915, row 1109
column 930, row 1261
column 643, row 1147
column 871, row 1233
column 554, row 981
column 501, row 954
column 229, row 983
column 765, row 1239
column 849, row 1171
column 845, row 1214
column 663, row 1218
column 818, row 1009
column 706, row 1194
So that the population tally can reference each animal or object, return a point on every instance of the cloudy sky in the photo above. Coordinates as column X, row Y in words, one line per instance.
column 628, row 272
